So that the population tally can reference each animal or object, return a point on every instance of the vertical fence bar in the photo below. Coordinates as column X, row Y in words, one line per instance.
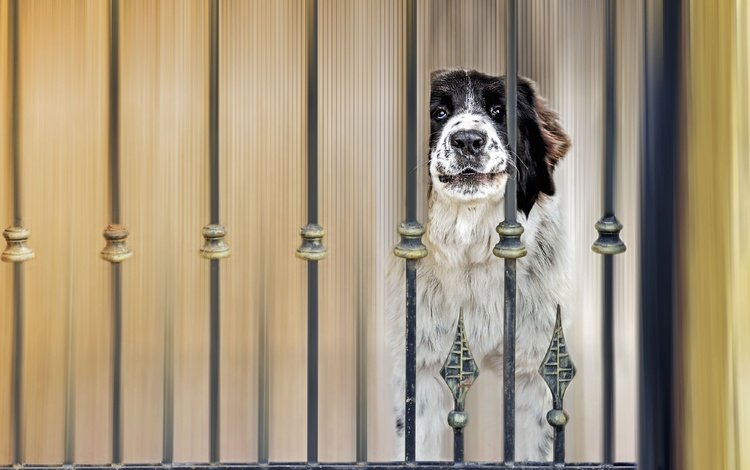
column 16, row 250
column 362, row 346
column 214, row 217
column 14, row 108
column 263, row 388
column 116, row 365
column 609, row 243
column 608, row 365
column 115, row 251
column 459, row 371
column 660, row 169
column 558, row 371
column 312, row 214
column 70, row 390
column 510, row 247
column 214, row 247
column 168, row 391
column 18, row 333
column 411, row 248
column 312, row 248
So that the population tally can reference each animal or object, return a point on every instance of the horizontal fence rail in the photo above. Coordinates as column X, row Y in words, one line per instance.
column 460, row 368
column 348, row 466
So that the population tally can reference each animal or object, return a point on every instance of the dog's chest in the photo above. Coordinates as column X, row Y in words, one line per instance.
column 443, row 293
column 461, row 273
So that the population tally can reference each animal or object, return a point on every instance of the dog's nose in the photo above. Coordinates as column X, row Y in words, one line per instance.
column 468, row 141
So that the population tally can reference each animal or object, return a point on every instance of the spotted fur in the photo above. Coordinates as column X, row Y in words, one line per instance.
column 465, row 205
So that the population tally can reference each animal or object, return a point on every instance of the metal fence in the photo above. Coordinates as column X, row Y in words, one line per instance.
column 460, row 370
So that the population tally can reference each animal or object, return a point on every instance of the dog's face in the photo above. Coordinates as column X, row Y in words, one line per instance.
column 469, row 151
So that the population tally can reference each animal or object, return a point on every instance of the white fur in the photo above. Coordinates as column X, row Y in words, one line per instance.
column 460, row 271
column 444, row 159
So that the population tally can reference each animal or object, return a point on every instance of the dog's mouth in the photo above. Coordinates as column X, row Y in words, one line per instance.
column 467, row 177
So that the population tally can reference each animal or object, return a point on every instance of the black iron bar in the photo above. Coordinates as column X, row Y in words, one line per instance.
column 312, row 217
column 312, row 116
column 362, row 346
column 411, row 217
column 459, row 372
column 18, row 332
column 215, row 333
column 659, row 232
column 608, row 366
column 14, row 107
column 116, row 363
column 458, row 434
column 410, row 406
column 312, row 362
column 215, row 367
column 610, row 106
column 509, row 340
column 411, row 111
column 114, row 110
column 18, row 322
column 509, row 361
column 312, row 250
column 70, row 390
column 263, row 387
column 342, row 466
column 214, row 110
column 168, row 391
column 411, row 247
column 559, row 446
column 608, row 362
column 511, row 106
column 557, row 370
column 114, row 182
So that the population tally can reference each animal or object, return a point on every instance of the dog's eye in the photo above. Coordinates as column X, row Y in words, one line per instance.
column 496, row 111
column 439, row 114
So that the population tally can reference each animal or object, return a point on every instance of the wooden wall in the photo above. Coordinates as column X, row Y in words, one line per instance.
column 164, row 167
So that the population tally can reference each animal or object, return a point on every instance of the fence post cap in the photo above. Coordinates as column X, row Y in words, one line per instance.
column 115, row 250
column 410, row 246
column 16, row 250
column 214, row 246
column 312, row 248
column 609, row 241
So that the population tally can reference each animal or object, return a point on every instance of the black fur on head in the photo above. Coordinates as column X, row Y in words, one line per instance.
column 541, row 140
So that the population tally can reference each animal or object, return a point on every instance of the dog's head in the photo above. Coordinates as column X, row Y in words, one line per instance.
column 469, row 151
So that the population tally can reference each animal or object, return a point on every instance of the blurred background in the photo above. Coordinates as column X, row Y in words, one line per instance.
column 164, row 168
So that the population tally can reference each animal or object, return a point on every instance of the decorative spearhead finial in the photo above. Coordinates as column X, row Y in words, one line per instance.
column 16, row 250
column 558, row 371
column 115, row 251
column 312, row 248
column 609, row 242
column 510, row 245
column 459, row 371
column 214, row 245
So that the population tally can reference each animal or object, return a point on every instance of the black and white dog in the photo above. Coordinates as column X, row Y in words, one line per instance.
column 469, row 166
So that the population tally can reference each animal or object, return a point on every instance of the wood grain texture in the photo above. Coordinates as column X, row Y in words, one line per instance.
column 716, row 215
column 6, row 271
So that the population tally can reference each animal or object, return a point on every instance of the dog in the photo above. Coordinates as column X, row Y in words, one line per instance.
column 469, row 166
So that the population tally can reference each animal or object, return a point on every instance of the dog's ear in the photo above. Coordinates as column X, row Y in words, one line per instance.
column 542, row 144
column 435, row 74
column 439, row 79
column 555, row 138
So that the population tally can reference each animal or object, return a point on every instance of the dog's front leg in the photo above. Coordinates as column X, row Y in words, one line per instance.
column 533, row 433
column 432, row 415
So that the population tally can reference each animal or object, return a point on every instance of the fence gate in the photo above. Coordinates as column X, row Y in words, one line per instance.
column 558, row 369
